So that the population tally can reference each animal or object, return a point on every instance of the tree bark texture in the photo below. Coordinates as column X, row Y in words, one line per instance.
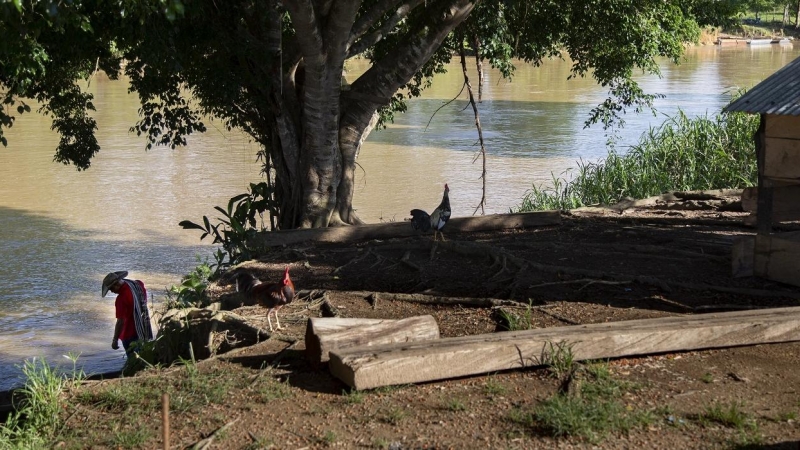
column 313, row 128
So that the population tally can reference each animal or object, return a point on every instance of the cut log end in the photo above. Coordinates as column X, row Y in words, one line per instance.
column 324, row 335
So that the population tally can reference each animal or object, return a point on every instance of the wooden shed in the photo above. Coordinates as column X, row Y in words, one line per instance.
column 775, row 256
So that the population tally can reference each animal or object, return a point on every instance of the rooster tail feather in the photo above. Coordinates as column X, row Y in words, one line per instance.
column 245, row 282
column 420, row 220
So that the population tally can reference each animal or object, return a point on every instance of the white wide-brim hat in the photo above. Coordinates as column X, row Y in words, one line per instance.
column 111, row 279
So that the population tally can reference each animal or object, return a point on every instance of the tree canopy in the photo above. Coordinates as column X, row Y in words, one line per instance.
column 274, row 69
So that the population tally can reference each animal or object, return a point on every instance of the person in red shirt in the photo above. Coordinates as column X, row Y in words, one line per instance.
column 133, row 317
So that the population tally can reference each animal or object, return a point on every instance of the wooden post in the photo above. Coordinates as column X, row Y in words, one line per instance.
column 764, row 212
column 165, row 419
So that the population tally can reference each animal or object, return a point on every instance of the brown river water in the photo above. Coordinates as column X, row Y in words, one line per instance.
column 61, row 230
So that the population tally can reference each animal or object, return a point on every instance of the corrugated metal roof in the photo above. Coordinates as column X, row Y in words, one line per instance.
column 778, row 94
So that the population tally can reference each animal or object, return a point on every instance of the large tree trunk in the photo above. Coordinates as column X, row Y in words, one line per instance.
column 797, row 19
column 315, row 127
column 785, row 16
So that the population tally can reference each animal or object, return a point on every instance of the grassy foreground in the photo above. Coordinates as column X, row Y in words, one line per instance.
column 682, row 154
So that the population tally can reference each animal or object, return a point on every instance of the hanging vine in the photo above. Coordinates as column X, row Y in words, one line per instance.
column 482, row 152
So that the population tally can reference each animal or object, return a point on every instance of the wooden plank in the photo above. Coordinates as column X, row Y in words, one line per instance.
column 787, row 127
column 403, row 229
column 324, row 334
column 367, row 368
column 782, row 158
column 777, row 257
column 785, row 201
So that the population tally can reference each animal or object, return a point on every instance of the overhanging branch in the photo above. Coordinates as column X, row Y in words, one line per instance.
column 388, row 75
column 356, row 47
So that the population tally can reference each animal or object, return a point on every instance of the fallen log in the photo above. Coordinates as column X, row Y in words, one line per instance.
column 371, row 367
column 403, row 229
column 325, row 334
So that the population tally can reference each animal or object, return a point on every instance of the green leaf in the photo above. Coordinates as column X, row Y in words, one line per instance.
column 225, row 213
column 189, row 225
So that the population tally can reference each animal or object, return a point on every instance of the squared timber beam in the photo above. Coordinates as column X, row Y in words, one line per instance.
column 415, row 362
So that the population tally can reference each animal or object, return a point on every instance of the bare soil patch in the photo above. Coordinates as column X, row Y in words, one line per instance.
column 582, row 271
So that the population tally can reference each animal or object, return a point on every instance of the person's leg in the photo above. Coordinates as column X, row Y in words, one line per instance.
column 129, row 344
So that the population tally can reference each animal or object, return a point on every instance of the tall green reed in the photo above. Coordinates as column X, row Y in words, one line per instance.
column 682, row 154
column 37, row 416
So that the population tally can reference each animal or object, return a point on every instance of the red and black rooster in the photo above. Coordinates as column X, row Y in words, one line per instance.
column 423, row 221
column 269, row 295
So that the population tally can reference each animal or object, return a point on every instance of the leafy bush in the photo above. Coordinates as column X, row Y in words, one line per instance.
column 192, row 290
column 237, row 225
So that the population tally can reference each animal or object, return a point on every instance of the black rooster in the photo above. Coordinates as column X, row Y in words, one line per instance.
column 423, row 221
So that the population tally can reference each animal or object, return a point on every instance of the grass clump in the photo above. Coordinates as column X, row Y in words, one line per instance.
column 133, row 438
column 273, row 389
column 515, row 320
column 353, row 396
column 454, row 405
column 494, row 387
column 394, row 416
column 329, row 438
column 682, row 154
column 559, row 359
column 37, row 420
column 731, row 415
column 591, row 409
column 593, row 414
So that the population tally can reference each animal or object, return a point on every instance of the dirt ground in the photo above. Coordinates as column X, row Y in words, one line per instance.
column 578, row 272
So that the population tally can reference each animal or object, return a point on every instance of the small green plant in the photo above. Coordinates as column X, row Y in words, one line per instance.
column 493, row 387
column 237, row 225
column 522, row 417
column 389, row 389
column 132, row 438
column 514, row 320
column 707, row 378
column 353, row 396
column 787, row 416
column 730, row 415
column 273, row 390
column 559, row 358
column 192, row 290
column 394, row 415
column 381, row 443
column 143, row 355
column 329, row 438
column 116, row 398
column 454, row 405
